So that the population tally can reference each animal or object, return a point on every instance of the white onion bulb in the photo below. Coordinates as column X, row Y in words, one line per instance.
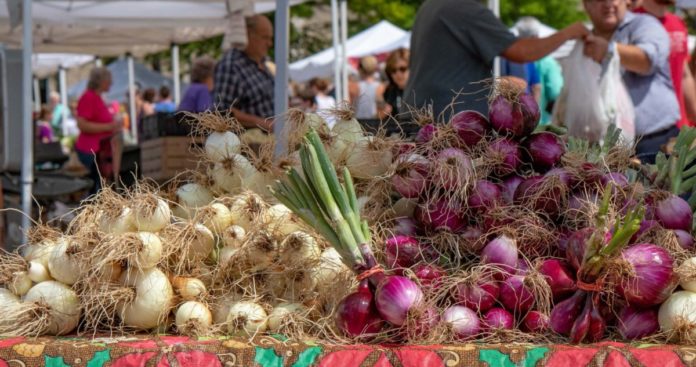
column 62, row 266
column 366, row 160
column 689, row 268
column 38, row 273
column 150, row 219
column 190, row 197
column 216, row 218
column 230, row 175
column 678, row 310
column 153, row 298
column 233, row 236
column 123, row 223
column 62, row 303
column 189, row 289
column 220, row 145
column 248, row 317
column 283, row 313
column 20, row 284
column 193, row 317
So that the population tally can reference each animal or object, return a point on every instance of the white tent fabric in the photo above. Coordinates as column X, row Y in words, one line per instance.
column 376, row 38
column 46, row 64
column 685, row 4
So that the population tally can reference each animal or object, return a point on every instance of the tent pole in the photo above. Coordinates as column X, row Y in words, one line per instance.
column 344, row 54
column 494, row 6
column 131, row 98
column 175, row 73
column 98, row 62
column 37, row 95
column 280, row 104
column 62, row 86
column 338, row 88
column 27, row 125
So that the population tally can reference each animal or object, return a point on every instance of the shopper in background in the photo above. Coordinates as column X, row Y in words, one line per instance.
column 198, row 97
column 44, row 132
column 57, row 110
column 148, row 108
column 391, row 93
column 165, row 103
column 363, row 92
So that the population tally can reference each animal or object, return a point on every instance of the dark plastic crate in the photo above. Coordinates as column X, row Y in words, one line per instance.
column 164, row 124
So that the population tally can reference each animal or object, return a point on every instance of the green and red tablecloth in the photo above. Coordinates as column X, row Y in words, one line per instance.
column 172, row 351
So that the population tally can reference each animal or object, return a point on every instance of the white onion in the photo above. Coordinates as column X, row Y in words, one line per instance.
column 40, row 252
column 193, row 316
column 20, row 284
column 348, row 131
column 10, row 305
column 64, row 267
column 246, row 209
column 216, row 217
column 190, row 197
column 283, row 313
column 292, row 284
column 123, row 223
column 62, row 303
column 233, row 236
column 689, row 278
column 150, row 254
column 201, row 244
column 259, row 251
column 222, row 306
column 248, row 317
column 226, row 253
column 679, row 310
column 367, row 159
column 230, row 174
column 37, row 272
column 281, row 220
column 153, row 298
column 150, row 219
column 220, row 145
column 299, row 248
column 189, row 288
column 259, row 182
column 329, row 268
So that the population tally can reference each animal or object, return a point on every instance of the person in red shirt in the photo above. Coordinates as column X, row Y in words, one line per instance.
column 95, row 122
column 684, row 85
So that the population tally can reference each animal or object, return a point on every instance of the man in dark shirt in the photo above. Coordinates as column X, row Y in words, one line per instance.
column 242, row 83
column 453, row 45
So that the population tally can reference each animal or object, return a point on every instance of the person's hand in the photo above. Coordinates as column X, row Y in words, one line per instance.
column 116, row 126
column 596, row 48
column 576, row 30
column 267, row 125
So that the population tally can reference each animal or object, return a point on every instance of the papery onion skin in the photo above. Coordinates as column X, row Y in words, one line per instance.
column 535, row 193
column 530, row 112
column 566, row 312
column 535, row 322
column 429, row 275
column 498, row 319
column 508, row 187
column 484, row 195
column 506, row 118
column 471, row 126
column 559, row 277
column 452, row 167
column 636, row 324
column 673, row 213
column 464, row 322
column 501, row 251
column 395, row 297
column 423, row 322
column 506, row 155
column 685, row 239
column 678, row 311
column 515, row 295
column 426, row 133
column 402, row 251
column 651, row 278
column 357, row 315
column 441, row 214
column 410, row 178
column 545, row 150
column 479, row 296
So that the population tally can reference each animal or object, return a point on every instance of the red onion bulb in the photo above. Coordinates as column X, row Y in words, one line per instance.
column 463, row 322
column 650, row 279
column 395, row 297
column 636, row 324
column 498, row 319
column 471, row 126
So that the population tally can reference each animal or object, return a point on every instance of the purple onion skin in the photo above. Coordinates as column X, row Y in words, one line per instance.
column 472, row 234
column 651, row 280
column 501, row 251
column 581, row 326
column 441, row 215
column 529, row 193
column 685, row 239
column 426, row 133
column 545, row 150
column 559, row 277
column 395, row 297
column 530, row 112
column 598, row 325
column 471, row 126
column 535, row 322
column 505, row 118
column 511, row 155
column 576, row 247
column 464, row 322
column 402, row 252
column 485, row 194
column 673, row 213
column 449, row 167
column 411, row 175
column 480, row 296
column 424, row 322
column 498, row 319
column 508, row 187
column 429, row 275
column 617, row 179
column 566, row 312
column 357, row 315
column 566, row 177
column 405, row 227
column 636, row 323
column 645, row 226
column 515, row 296
column 563, row 237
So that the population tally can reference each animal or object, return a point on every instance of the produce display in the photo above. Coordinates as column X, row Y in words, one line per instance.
column 480, row 228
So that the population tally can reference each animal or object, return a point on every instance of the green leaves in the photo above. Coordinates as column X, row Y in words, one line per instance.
column 677, row 174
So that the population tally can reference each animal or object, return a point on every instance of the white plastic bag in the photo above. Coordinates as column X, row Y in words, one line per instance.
column 593, row 99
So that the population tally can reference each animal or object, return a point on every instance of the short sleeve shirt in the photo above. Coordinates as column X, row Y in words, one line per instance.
column 653, row 93
column 92, row 108
column 241, row 83
column 453, row 45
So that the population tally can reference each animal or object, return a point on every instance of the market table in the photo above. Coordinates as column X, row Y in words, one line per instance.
column 165, row 351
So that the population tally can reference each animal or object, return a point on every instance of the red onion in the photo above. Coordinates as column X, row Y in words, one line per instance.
column 410, row 176
column 405, row 226
column 563, row 237
column 522, row 267
column 356, row 314
column 535, row 322
column 429, row 275
column 484, row 195
column 479, row 296
column 426, row 133
column 598, row 325
column 463, row 321
column 515, row 296
column 576, row 247
column 567, row 178
column 685, row 239
column 441, row 214
column 402, row 252
column 530, row 112
column 403, row 148
column 636, row 324
column 650, row 278
column 506, row 118
column 673, row 212
column 498, row 319
column 506, row 155
column 565, row 313
column 545, row 150
column 471, row 126
column 617, row 179
column 501, row 251
column 452, row 168
column 581, row 326
column 559, row 277
column 645, row 226
column 472, row 234
column 535, row 193
column 423, row 322
column 395, row 297
column 508, row 188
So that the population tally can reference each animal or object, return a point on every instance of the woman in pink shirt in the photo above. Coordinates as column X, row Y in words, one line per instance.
column 95, row 122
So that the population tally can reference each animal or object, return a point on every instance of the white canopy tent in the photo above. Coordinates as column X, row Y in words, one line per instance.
column 685, row 4
column 381, row 37
column 46, row 64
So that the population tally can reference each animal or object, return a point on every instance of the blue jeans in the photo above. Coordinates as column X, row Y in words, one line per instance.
column 89, row 160
column 649, row 145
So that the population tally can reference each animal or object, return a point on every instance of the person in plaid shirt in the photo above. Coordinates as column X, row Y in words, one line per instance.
column 243, row 84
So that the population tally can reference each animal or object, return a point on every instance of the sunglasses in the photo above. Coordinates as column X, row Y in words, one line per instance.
column 402, row 69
